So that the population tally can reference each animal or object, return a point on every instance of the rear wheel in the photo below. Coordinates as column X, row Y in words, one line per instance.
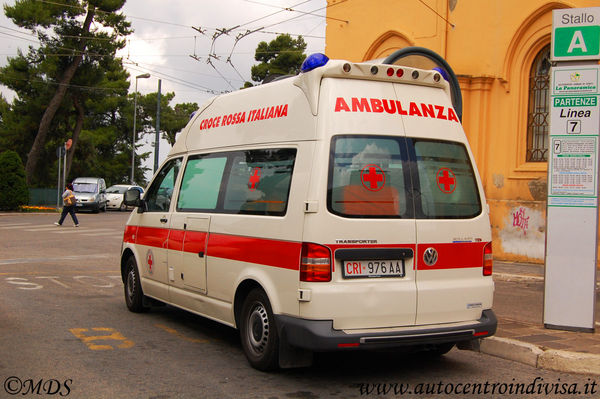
column 258, row 331
column 134, row 296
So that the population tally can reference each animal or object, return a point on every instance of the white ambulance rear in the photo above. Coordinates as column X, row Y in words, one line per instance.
column 339, row 209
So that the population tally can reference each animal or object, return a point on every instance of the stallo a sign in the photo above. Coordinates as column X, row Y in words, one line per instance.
column 576, row 34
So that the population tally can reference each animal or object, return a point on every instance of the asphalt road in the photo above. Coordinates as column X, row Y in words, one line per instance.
column 65, row 332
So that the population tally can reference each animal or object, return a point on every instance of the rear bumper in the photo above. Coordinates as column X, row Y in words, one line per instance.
column 319, row 335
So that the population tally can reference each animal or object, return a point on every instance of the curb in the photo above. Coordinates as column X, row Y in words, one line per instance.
column 536, row 356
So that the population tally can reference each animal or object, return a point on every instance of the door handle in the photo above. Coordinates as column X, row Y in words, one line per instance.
column 201, row 254
column 164, row 220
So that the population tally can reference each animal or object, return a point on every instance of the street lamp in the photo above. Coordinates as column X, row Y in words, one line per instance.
column 142, row 76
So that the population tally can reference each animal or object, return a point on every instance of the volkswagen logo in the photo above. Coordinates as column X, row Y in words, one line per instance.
column 430, row 256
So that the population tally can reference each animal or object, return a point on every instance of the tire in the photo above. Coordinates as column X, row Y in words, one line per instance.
column 122, row 207
column 258, row 332
column 134, row 296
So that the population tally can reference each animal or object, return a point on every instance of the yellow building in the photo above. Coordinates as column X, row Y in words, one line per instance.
column 499, row 49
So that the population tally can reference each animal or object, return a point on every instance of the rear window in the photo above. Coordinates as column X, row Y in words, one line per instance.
column 447, row 184
column 367, row 177
column 395, row 177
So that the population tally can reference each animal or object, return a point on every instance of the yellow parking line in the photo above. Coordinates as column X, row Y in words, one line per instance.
column 114, row 335
column 179, row 335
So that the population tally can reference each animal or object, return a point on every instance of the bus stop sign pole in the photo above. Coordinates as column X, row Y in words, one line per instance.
column 572, row 204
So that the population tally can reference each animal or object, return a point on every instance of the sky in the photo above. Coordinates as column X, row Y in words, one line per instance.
column 191, row 46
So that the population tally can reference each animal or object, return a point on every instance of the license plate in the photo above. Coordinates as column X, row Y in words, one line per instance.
column 373, row 268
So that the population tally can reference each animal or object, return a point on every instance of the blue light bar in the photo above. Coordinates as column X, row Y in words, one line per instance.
column 442, row 72
column 314, row 61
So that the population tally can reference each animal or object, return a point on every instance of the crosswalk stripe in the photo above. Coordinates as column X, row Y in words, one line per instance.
column 14, row 226
column 45, row 228
column 107, row 233
column 81, row 230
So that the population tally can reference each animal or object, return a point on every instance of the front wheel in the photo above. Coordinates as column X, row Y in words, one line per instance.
column 258, row 331
column 134, row 296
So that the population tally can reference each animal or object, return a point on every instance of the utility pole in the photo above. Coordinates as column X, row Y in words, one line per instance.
column 157, row 138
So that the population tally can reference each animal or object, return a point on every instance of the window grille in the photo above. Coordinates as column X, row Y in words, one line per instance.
column 538, row 109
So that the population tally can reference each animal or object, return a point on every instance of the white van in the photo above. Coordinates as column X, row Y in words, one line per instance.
column 90, row 193
column 339, row 209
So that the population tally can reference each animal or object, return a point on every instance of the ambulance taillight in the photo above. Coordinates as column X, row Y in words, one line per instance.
column 315, row 263
column 488, row 259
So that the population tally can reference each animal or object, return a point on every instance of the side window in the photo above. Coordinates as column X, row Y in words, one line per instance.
column 447, row 186
column 158, row 197
column 201, row 183
column 259, row 182
column 253, row 182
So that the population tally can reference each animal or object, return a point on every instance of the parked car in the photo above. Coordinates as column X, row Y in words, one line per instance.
column 114, row 195
column 90, row 193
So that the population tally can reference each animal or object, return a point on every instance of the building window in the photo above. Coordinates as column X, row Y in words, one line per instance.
column 538, row 123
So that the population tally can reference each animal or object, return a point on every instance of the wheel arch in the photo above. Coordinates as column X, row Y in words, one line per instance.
column 242, row 291
column 127, row 253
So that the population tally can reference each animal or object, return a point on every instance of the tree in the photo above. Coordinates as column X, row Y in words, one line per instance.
column 13, row 188
column 282, row 56
column 72, row 33
column 172, row 120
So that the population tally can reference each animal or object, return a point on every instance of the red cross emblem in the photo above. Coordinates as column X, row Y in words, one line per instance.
column 446, row 180
column 372, row 177
column 149, row 260
column 254, row 179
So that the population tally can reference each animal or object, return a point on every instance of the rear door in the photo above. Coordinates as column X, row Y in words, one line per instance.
column 452, row 227
column 368, row 222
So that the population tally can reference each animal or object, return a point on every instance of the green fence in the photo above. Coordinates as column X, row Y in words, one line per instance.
column 43, row 196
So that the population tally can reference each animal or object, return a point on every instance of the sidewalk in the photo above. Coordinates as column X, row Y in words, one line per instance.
column 521, row 336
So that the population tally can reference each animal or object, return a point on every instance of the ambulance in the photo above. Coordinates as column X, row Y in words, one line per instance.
column 336, row 210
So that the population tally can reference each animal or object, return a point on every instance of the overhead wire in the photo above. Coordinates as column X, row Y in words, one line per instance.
column 218, row 32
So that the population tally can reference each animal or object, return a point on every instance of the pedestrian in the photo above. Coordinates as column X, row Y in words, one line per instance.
column 69, row 202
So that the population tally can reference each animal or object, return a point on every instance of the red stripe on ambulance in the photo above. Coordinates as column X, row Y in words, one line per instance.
column 455, row 255
column 376, row 105
column 286, row 254
column 276, row 253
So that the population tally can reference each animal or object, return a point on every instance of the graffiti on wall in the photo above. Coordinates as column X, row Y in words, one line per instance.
column 522, row 234
column 521, row 220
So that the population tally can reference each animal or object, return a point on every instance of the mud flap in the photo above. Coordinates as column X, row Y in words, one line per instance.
column 472, row 345
column 292, row 356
